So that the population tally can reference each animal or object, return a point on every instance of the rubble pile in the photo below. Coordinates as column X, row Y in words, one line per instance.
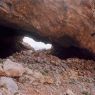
column 40, row 73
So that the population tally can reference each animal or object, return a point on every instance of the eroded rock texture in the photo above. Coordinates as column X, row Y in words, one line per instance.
column 61, row 22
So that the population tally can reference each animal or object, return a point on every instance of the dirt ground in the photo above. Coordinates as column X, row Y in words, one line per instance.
column 47, row 74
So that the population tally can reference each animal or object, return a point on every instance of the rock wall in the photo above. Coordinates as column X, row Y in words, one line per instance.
column 61, row 22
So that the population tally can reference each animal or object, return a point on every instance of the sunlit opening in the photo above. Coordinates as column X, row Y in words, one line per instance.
column 37, row 45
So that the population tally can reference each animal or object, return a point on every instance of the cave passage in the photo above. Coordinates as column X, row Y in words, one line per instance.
column 63, row 53
column 10, row 43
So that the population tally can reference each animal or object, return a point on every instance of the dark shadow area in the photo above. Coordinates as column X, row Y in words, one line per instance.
column 9, row 41
column 9, row 44
column 68, row 47
column 10, row 50
column 5, row 52
column 73, row 52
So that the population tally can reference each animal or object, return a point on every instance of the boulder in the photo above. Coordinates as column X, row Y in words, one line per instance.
column 64, row 23
column 11, row 69
column 9, row 84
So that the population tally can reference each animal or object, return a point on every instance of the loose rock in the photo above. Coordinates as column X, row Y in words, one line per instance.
column 9, row 84
column 13, row 69
column 69, row 92
column 2, row 73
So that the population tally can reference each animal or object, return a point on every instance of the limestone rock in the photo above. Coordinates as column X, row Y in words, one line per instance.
column 13, row 69
column 1, row 93
column 70, row 92
column 4, row 91
column 2, row 73
column 9, row 84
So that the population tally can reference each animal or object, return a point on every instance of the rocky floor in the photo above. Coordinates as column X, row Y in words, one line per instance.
column 40, row 73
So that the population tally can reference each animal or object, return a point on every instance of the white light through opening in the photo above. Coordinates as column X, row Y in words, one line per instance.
column 36, row 45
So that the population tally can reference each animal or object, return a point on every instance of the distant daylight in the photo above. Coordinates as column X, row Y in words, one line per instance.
column 36, row 45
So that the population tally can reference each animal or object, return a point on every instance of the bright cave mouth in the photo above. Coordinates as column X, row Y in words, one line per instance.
column 11, row 42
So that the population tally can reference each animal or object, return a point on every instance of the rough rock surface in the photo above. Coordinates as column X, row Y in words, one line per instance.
column 46, row 74
column 9, row 84
column 11, row 69
column 62, row 22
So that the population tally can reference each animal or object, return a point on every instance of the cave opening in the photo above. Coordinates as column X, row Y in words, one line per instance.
column 37, row 45
column 62, row 53
column 11, row 42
